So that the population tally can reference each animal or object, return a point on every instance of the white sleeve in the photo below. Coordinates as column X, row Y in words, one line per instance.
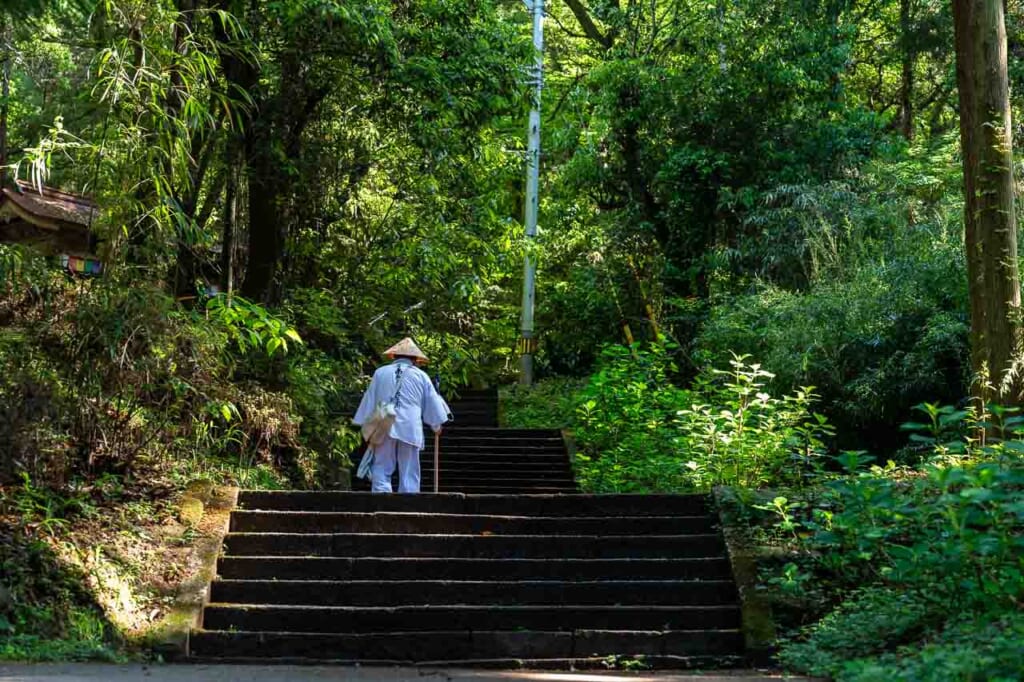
column 435, row 409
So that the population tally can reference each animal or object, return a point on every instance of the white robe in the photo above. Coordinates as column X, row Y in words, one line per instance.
column 419, row 403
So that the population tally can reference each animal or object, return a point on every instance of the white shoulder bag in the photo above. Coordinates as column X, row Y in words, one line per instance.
column 378, row 426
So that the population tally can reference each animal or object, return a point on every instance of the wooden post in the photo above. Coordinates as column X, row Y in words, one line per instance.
column 437, row 461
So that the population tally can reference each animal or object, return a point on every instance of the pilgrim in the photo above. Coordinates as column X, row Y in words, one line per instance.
column 415, row 402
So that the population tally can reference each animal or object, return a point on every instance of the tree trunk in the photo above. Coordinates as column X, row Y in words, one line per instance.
column 5, row 96
column 185, row 269
column 230, row 221
column 990, row 227
column 288, row 115
column 723, row 61
column 907, row 78
column 265, row 242
column 242, row 74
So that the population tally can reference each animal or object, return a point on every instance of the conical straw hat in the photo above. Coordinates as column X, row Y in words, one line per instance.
column 408, row 348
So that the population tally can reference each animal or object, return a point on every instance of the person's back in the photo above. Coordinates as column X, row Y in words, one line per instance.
column 416, row 402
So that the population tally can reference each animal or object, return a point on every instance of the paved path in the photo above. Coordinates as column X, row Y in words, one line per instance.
column 226, row 673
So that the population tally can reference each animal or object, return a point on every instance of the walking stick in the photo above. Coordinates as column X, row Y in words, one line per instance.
column 437, row 461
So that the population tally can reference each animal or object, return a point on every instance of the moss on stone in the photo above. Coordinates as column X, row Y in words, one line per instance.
column 190, row 511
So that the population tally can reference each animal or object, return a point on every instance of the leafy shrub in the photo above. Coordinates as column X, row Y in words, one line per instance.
column 874, row 344
column 110, row 376
column 971, row 648
column 251, row 326
column 548, row 404
column 639, row 432
column 926, row 564
column 884, row 634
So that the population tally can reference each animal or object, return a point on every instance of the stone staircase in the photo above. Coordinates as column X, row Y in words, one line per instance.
column 475, row 407
column 501, row 569
column 548, row 581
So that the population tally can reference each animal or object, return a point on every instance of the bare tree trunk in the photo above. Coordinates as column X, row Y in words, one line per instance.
column 292, row 109
column 723, row 57
column 185, row 268
column 230, row 220
column 907, row 79
column 265, row 241
column 989, row 221
column 5, row 96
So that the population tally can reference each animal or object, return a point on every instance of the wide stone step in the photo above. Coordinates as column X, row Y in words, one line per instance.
column 487, row 433
column 497, row 474
column 461, row 409
column 484, row 459
column 500, row 449
column 454, row 474
column 491, row 468
column 510, row 489
column 497, row 487
column 472, row 399
column 490, row 546
column 449, row 568
column 455, row 479
column 513, row 505
column 454, row 430
column 506, row 455
column 410, row 522
column 497, row 592
column 472, row 402
column 511, row 465
column 354, row 619
column 489, row 395
column 461, row 645
column 492, row 488
column 540, row 447
column 497, row 447
column 487, row 475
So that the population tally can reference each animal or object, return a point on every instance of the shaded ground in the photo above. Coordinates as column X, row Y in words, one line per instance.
column 202, row 673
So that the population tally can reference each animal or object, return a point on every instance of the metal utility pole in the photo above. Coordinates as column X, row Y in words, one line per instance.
column 527, row 341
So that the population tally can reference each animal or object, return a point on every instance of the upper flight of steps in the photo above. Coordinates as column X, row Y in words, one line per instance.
column 479, row 457
column 539, row 581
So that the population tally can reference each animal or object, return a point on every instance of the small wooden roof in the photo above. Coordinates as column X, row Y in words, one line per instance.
column 52, row 220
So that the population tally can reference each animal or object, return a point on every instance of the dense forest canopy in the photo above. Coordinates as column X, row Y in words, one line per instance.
column 774, row 178
column 777, row 251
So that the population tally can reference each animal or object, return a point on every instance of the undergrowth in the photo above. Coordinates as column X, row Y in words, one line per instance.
column 638, row 431
column 908, row 570
column 916, row 572
column 115, row 399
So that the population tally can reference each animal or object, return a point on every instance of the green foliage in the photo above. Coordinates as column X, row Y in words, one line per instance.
column 251, row 326
column 547, row 404
column 45, row 611
column 927, row 565
column 35, row 649
column 110, row 379
column 873, row 345
column 888, row 634
column 775, row 181
column 638, row 432
column 967, row 649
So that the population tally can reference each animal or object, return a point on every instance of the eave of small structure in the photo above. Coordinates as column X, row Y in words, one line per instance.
column 51, row 220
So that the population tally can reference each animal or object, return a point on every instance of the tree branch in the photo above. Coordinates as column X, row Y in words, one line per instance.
column 587, row 23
